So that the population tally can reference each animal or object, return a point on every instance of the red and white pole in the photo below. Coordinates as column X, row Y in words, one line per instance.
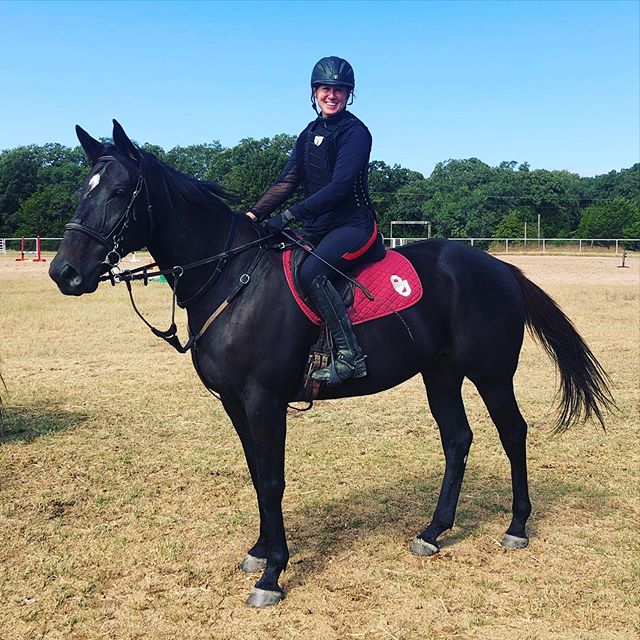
column 39, row 258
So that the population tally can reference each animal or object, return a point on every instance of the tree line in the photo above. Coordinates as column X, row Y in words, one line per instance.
column 461, row 198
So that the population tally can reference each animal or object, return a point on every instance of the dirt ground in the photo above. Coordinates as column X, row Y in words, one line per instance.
column 125, row 504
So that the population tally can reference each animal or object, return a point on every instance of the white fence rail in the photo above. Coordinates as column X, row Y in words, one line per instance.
column 541, row 245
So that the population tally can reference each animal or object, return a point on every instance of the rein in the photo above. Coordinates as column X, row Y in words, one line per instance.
column 170, row 335
column 145, row 272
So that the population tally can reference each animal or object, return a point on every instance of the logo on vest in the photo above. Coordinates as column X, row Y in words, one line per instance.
column 401, row 286
column 318, row 140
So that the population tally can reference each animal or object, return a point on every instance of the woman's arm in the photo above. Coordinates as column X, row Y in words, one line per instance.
column 279, row 192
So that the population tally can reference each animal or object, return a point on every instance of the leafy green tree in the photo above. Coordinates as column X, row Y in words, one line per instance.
column 619, row 218
column 19, row 169
column 460, row 205
column 157, row 150
column 554, row 196
column 624, row 183
column 460, row 198
column 197, row 160
column 254, row 165
column 46, row 211
column 512, row 224
column 408, row 203
column 26, row 170
column 384, row 183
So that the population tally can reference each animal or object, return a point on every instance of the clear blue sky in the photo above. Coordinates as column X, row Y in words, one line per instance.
column 552, row 83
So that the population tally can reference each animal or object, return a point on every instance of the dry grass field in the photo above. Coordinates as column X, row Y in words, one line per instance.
column 125, row 504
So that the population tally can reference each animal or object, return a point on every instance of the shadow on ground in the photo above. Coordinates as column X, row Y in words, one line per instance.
column 401, row 510
column 26, row 424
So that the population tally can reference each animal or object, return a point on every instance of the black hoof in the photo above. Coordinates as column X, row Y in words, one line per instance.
column 421, row 547
column 260, row 598
column 514, row 542
column 251, row 564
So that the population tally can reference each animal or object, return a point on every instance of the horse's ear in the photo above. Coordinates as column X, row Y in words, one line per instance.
column 90, row 145
column 122, row 141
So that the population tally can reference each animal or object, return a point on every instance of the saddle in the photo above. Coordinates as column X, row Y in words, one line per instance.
column 392, row 281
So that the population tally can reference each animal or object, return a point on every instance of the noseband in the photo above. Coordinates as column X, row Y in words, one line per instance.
column 113, row 239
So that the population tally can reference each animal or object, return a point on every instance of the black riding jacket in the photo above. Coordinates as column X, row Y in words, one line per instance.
column 331, row 160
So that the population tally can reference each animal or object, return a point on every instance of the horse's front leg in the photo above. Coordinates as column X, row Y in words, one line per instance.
column 266, row 417
column 256, row 558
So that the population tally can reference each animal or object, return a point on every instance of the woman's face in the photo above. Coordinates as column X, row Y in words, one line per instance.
column 331, row 99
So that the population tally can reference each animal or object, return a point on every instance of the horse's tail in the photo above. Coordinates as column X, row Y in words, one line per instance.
column 584, row 384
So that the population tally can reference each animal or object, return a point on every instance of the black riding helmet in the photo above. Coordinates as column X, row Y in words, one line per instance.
column 332, row 71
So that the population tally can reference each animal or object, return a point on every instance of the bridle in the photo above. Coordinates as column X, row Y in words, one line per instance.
column 114, row 238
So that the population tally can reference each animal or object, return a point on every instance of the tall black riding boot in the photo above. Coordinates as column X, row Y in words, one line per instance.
column 349, row 361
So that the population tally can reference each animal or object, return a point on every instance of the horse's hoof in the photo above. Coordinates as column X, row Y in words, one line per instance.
column 261, row 598
column 251, row 564
column 514, row 542
column 423, row 548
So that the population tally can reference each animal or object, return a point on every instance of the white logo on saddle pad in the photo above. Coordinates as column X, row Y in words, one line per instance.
column 318, row 140
column 401, row 286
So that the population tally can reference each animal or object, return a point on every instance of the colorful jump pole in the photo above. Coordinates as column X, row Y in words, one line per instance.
column 39, row 258
column 21, row 258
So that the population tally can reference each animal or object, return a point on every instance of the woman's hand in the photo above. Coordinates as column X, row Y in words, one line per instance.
column 251, row 216
column 279, row 222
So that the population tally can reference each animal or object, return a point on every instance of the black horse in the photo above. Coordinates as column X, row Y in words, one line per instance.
column 470, row 323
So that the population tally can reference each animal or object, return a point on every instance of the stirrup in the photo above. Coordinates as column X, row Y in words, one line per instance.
column 342, row 368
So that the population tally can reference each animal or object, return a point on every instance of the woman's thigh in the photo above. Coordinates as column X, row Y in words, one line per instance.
column 334, row 248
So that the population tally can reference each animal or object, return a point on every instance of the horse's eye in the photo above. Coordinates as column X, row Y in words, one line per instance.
column 119, row 192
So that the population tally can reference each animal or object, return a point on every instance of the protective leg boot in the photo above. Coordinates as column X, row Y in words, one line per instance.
column 349, row 360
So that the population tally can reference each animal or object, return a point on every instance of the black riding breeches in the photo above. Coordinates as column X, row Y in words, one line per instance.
column 342, row 248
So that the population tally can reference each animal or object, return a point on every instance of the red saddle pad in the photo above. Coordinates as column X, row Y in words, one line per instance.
column 393, row 282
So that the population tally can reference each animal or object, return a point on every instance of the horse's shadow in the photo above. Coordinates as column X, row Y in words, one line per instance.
column 27, row 423
column 401, row 509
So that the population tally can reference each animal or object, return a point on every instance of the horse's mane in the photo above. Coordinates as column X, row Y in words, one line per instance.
column 183, row 189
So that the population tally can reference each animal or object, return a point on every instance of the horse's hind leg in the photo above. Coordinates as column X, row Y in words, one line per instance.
column 256, row 558
column 444, row 386
column 503, row 409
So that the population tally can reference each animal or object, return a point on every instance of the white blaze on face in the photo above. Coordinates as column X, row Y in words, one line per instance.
column 93, row 183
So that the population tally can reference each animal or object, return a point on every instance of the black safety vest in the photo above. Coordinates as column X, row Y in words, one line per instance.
column 316, row 154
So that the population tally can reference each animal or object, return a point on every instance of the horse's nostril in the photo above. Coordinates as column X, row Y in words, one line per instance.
column 71, row 276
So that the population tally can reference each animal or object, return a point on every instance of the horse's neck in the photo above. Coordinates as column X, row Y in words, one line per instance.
column 182, row 236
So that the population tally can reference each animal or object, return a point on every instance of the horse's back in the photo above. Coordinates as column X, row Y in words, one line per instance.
column 463, row 265
column 474, row 299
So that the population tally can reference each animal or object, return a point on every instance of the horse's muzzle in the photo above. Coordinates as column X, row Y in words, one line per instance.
column 70, row 280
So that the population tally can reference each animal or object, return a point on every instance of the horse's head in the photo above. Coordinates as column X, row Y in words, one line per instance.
column 112, row 219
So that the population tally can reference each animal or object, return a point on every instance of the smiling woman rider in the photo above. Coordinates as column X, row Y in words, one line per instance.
column 331, row 160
